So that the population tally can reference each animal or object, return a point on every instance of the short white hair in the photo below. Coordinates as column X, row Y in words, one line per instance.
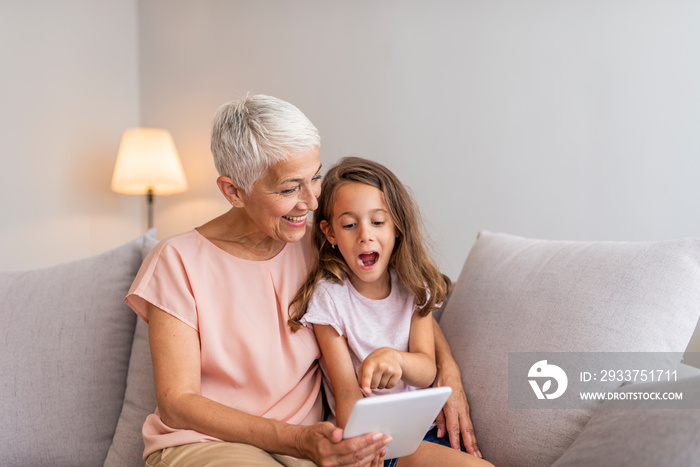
column 252, row 134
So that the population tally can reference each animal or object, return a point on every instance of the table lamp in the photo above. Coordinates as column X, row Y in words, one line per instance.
column 148, row 163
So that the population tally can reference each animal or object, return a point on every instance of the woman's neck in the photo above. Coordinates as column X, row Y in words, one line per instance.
column 236, row 234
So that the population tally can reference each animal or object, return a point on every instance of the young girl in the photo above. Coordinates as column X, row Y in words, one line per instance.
column 370, row 296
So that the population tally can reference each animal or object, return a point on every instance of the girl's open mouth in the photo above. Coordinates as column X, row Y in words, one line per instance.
column 367, row 259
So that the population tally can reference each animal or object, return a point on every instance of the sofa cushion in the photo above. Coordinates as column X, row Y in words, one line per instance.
column 670, row 438
column 522, row 295
column 139, row 400
column 65, row 344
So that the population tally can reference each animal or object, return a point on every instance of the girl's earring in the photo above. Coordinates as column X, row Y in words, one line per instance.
column 333, row 245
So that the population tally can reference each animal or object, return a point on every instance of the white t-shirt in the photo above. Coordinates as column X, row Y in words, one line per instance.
column 367, row 324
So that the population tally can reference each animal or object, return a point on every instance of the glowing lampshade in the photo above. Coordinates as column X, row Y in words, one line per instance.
column 148, row 161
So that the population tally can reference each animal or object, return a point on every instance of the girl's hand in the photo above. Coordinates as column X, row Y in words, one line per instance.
column 380, row 370
column 323, row 444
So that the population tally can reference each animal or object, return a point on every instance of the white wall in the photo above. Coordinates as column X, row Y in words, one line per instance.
column 68, row 88
column 561, row 120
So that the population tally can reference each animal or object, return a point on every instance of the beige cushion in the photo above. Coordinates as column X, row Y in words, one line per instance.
column 139, row 402
column 139, row 398
column 522, row 295
column 643, row 432
column 65, row 344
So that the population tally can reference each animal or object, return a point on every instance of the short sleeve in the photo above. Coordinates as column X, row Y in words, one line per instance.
column 163, row 281
column 323, row 309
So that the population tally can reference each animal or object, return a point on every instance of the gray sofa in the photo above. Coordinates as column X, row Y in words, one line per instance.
column 76, row 374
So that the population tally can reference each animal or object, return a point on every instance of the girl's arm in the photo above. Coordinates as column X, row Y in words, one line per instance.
column 340, row 370
column 177, row 378
column 384, row 367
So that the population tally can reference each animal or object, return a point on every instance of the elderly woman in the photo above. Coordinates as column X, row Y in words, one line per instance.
column 234, row 385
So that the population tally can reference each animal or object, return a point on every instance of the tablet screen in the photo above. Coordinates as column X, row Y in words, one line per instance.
column 406, row 416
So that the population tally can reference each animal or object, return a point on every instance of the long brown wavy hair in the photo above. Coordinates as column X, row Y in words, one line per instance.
column 410, row 259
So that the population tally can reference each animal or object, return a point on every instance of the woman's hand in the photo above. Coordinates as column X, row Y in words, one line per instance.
column 323, row 444
column 454, row 417
column 382, row 369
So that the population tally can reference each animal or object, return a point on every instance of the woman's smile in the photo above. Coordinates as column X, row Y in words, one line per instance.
column 280, row 202
column 295, row 221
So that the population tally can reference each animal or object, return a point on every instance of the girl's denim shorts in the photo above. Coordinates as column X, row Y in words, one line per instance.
column 431, row 437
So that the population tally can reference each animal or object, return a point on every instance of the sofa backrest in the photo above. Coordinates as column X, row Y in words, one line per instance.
column 67, row 349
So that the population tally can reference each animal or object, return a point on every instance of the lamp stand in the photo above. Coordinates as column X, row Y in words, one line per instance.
column 149, row 199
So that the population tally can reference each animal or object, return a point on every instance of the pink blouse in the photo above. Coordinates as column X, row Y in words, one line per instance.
column 250, row 359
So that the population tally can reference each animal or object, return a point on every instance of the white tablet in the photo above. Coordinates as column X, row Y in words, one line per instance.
column 406, row 416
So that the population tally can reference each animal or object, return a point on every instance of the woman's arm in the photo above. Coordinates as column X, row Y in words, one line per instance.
column 177, row 378
column 454, row 417
column 384, row 367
